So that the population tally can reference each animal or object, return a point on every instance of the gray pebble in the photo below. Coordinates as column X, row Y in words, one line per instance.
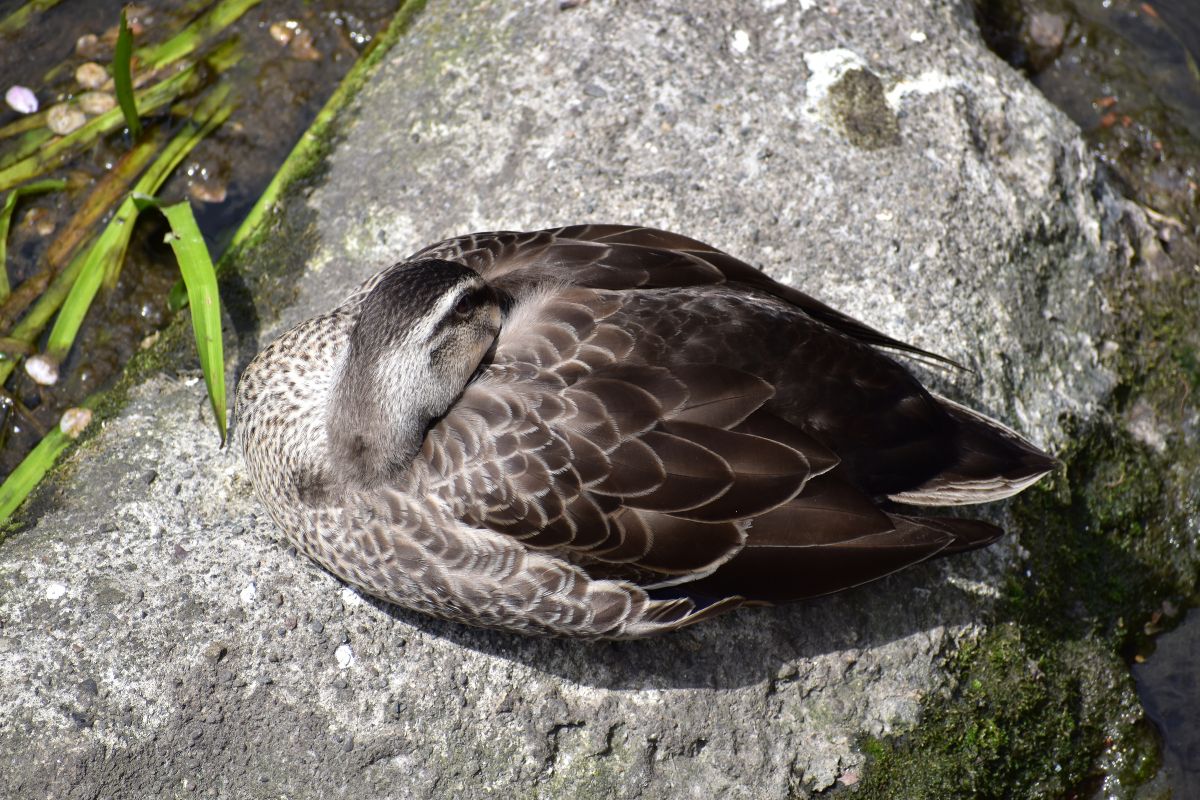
column 316, row 626
column 148, row 477
column 216, row 651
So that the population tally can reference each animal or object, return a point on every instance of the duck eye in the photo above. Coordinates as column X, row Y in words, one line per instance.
column 465, row 305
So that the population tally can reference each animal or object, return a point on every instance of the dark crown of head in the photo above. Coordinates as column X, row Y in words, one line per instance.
column 403, row 295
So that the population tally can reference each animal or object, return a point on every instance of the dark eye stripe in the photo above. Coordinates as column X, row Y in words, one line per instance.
column 475, row 295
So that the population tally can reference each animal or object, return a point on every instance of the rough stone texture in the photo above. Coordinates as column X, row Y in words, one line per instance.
column 157, row 638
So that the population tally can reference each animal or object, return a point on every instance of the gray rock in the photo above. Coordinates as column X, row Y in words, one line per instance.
column 933, row 194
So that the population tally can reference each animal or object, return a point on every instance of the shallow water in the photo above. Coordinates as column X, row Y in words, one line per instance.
column 1169, row 685
column 280, row 89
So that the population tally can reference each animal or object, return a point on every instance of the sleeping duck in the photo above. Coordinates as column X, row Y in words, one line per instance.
column 604, row 431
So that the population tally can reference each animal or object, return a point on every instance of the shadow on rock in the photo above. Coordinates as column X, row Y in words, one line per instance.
column 741, row 648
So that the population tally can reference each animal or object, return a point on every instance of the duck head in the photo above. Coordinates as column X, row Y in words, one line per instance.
column 421, row 333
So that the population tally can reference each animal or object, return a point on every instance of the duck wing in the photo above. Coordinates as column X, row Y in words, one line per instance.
column 629, row 257
column 586, row 438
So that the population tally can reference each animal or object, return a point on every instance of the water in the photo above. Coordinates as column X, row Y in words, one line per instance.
column 280, row 89
column 1169, row 685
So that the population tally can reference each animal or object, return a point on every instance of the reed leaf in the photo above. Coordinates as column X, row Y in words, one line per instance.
column 31, row 470
column 123, row 78
column 195, row 35
column 21, row 17
column 104, row 259
column 200, row 278
column 6, row 212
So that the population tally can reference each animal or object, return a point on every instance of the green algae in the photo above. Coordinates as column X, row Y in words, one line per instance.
column 1024, row 722
column 1044, row 705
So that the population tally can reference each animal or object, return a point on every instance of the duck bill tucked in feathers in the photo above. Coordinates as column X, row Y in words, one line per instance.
column 607, row 432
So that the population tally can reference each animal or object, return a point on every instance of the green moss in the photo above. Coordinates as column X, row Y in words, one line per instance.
column 1025, row 722
column 860, row 106
column 1044, row 706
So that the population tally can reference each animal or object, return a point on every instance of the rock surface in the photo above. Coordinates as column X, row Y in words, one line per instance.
column 159, row 638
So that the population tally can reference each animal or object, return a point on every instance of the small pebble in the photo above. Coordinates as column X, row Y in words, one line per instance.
column 248, row 593
column 55, row 590
column 216, row 651
column 139, row 595
column 88, row 46
column 340, row 683
column 316, row 626
column 344, row 656
column 95, row 103
column 107, row 527
column 40, row 220
column 91, row 75
column 88, row 686
column 21, row 100
column 301, row 47
column 63, row 119
column 43, row 369
column 740, row 42
column 209, row 191
column 282, row 32
column 74, row 421
column 148, row 477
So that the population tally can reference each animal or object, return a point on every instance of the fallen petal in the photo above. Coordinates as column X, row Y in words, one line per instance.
column 21, row 99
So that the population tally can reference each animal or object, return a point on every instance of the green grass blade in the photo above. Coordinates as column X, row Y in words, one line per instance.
column 25, row 146
column 25, row 123
column 30, row 471
column 123, row 78
column 148, row 100
column 200, row 278
column 109, row 247
column 6, row 212
column 195, row 35
column 104, row 259
column 20, row 18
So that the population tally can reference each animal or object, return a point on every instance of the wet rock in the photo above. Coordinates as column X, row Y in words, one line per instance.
column 91, row 75
column 1045, row 33
column 94, row 103
column 63, row 118
column 966, row 217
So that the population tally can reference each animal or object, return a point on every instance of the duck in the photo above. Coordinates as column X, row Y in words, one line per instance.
column 608, row 432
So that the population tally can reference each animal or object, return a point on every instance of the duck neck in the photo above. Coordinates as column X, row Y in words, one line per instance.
column 375, row 426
